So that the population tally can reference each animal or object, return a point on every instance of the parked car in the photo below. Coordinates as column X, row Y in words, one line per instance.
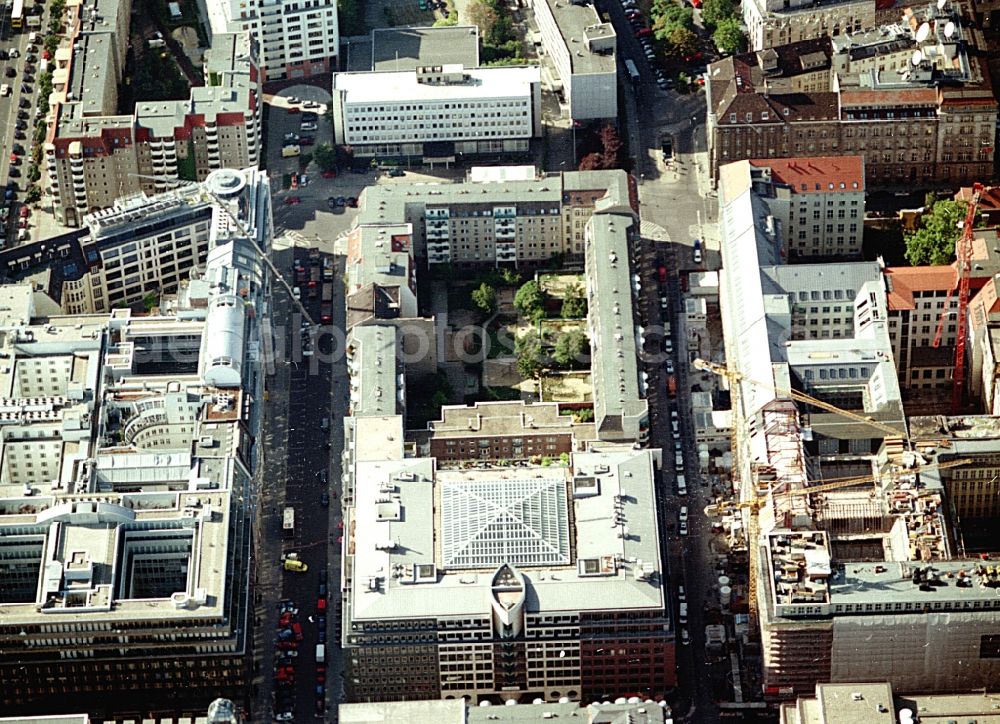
column 308, row 126
column 396, row 172
column 292, row 201
column 309, row 117
column 352, row 201
column 321, row 604
column 324, row 500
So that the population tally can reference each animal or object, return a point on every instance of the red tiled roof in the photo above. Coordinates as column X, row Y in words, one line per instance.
column 817, row 174
column 899, row 96
column 905, row 280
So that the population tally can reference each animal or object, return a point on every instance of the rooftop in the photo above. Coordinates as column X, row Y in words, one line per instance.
column 403, row 49
column 586, row 536
column 403, row 86
column 817, row 174
column 579, row 23
column 376, row 375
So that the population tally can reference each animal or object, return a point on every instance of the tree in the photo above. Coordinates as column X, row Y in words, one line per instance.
column 671, row 17
column 530, row 301
column 682, row 42
column 713, row 12
column 591, row 162
column 574, row 305
column 511, row 277
column 485, row 298
column 482, row 16
column 529, row 356
column 570, row 348
column 611, row 146
column 934, row 242
column 729, row 37
column 325, row 157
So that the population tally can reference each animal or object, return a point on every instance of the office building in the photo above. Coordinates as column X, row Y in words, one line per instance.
column 871, row 559
column 817, row 202
column 129, row 485
column 974, row 486
column 94, row 155
column 459, row 712
column 583, row 50
column 438, row 113
column 296, row 39
column 771, row 23
column 829, row 98
column 501, row 582
column 877, row 702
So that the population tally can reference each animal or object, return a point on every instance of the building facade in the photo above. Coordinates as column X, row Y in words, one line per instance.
column 783, row 102
column 583, row 50
column 94, row 156
column 297, row 38
column 124, row 492
column 776, row 22
column 438, row 112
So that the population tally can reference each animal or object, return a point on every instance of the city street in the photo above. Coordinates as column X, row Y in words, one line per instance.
column 306, row 390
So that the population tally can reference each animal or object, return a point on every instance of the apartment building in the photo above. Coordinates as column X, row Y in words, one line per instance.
column 438, row 113
column 583, row 50
column 297, row 38
column 818, row 203
column 772, row 23
column 918, row 298
column 973, row 487
column 501, row 431
column 497, row 218
column 93, row 155
column 879, row 703
column 535, row 600
column 128, row 467
column 775, row 104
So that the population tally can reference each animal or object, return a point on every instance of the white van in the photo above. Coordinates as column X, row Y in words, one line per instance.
column 681, row 485
column 683, row 618
column 679, row 462
column 320, row 653
column 4, row 90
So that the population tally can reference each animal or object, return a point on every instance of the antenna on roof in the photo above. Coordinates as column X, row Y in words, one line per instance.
column 941, row 4
column 924, row 30
column 917, row 57
column 949, row 29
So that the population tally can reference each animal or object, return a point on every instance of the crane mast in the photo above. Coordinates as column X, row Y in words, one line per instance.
column 963, row 252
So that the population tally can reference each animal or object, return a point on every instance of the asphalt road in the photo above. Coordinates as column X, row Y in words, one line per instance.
column 303, row 452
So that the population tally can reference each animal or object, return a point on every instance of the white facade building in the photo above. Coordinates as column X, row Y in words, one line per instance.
column 298, row 38
column 467, row 111
column 582, row 47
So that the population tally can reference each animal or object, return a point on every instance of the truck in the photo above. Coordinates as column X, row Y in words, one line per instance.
column 633, row 72
column 327, row 292
column 313, row 282
column 288, row 522
column 672, row 385
column 328, row 269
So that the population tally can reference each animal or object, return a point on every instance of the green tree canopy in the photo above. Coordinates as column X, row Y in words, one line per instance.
column 529, row 356
column 668, row 17
column 570, row 348
column 713, row 12
column 729, row 37
column 326, row 157
column 574, row 305
column 485, row 298
column 530, row 301
column 681, row 42
column 934, row 242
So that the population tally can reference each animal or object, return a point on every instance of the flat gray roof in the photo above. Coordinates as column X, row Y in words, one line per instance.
column 407, row 48
column 578, row 22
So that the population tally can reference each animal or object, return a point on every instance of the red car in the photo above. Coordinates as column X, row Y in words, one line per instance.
column 284, row 645
column 307, row 141
column 25, row 212
column 643, row 32
column 696, row 3
column 321, row 604
column 292, row 200
column 285, row 620
column 320, row 677
column 329, row 174
column 14, row 158
column 286, row 670
column 294, row 109
column 297, row 630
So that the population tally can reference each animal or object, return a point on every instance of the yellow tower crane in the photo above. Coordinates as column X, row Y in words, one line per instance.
column 754, row 505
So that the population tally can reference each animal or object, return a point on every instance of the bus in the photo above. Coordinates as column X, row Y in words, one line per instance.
column 17, row 14
column 633, row 72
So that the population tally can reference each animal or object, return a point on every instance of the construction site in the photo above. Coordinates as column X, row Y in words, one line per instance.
column 850, row 514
